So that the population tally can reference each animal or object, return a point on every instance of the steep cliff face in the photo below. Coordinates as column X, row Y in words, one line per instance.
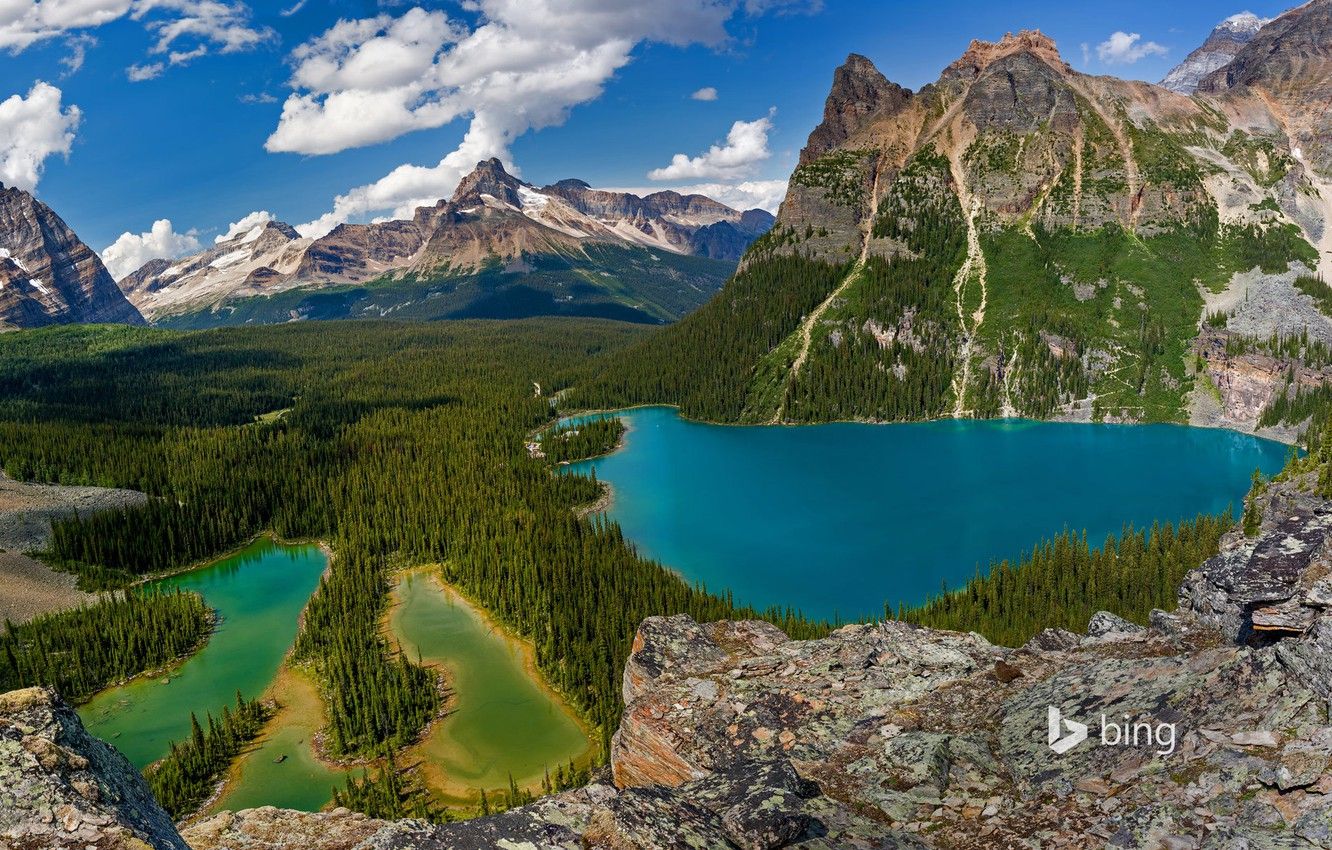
column 62, row 789
column 1215, row 53
column 48, row 276
column 884, row 735
column 493, row 221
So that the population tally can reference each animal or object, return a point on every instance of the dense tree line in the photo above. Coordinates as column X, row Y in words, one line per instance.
column 582, row 440
column 706, row 363
column 1064, row 581
column 83, row 650
column 185, row 778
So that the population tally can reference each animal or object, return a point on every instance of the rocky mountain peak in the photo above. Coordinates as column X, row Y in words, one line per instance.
column 572, row 184
column 1226, row 40
column 1244, row 24
column 50, row 276
column 859, row 94
column 489, row 178
column 981, row 54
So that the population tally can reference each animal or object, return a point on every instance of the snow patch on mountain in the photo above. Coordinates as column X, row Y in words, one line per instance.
column 1221, row 46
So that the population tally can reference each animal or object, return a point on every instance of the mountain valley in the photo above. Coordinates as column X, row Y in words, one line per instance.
column 549, row 517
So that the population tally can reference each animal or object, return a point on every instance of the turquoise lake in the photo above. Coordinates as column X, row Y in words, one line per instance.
column 838, row 519
column 258, row 593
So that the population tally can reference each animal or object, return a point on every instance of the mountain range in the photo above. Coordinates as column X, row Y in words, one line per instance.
column 498, row 247
column 1019, row 238
column 1015, row 239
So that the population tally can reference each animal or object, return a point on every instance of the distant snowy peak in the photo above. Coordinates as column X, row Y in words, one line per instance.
column 1245, row 24
column 1226, row 40
column 242, row 264
column 491, row 215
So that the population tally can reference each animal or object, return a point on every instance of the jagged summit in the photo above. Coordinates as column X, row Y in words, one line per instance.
column 1221, row 46
column 859, row 93
column 981, row 54
column 488, row 178
column 48, row 276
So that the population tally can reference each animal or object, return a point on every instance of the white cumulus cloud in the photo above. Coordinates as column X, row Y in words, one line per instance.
column 705, row 93
column 745, row 148
column 33, row 128
column 184, row 29
column 129, row 252
column 523, row 66
column 745, row 195
column 1125, row 48
column 245, row 225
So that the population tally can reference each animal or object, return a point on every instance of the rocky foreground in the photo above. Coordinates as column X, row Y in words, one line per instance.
column 882, row 736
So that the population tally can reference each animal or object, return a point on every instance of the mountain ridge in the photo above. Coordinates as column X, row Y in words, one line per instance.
column 1222, row 44
column 492, row 219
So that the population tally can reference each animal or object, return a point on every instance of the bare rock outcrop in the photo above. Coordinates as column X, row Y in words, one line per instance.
column 62, row 789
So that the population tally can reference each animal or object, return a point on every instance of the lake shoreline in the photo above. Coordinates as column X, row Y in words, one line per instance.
column 744, row 511
column 1280, row 438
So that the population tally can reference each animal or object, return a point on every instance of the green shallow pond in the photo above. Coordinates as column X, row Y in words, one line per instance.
column 504, row 721
column 259, row 593
column 281, row 770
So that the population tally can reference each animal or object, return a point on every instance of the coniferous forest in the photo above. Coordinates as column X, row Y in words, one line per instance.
column 399, row 444
column 1064, row 581
column 185, row 778
column 83, row 650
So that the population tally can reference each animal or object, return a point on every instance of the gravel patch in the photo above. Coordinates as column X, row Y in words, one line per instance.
column 27, row 586
column 1262, row 304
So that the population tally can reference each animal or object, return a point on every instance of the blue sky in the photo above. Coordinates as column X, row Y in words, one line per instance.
column 203, row 141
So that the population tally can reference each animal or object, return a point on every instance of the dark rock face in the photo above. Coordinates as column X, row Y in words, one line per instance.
column 355, row 252
column 48, row 276
column 1019, row 93
column 859, row 93
column 724, row 240
column 62, row 789
column 1274, row 585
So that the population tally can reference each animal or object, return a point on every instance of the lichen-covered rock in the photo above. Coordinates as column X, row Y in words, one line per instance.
column 61, row 788
column 1104, row 623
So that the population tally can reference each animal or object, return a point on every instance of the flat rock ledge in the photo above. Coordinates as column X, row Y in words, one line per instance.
column 878, row 736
